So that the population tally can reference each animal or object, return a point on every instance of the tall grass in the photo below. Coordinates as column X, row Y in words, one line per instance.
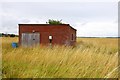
column 91, row 58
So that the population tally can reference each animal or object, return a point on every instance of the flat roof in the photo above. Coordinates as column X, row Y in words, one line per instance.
column 44, row 24
column 49, row 25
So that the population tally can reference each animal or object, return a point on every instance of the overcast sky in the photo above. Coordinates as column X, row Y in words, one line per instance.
column 89, row 18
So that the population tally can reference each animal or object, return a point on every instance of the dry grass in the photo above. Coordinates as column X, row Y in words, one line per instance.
column 91, row 58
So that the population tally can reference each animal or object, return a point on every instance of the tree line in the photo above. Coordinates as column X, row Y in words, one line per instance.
column 8, row 35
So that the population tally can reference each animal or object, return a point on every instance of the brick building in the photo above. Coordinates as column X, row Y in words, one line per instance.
column 45, row 34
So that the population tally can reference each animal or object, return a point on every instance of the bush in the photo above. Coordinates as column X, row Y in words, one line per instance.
column 51, row 21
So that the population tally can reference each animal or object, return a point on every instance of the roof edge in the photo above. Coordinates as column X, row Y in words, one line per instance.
column 73, row 28
column 50, row 24
column 44, row 24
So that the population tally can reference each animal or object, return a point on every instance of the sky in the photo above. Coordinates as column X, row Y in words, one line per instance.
column 91, row 19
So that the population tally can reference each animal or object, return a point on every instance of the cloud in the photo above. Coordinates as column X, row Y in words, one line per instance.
column 69, row 10
column 104, row 29
column 89, row 18
column 59, row 0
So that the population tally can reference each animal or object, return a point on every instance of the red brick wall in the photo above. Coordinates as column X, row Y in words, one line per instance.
column 61, row 33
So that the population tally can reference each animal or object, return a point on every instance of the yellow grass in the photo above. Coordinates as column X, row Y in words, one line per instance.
column 91, row 58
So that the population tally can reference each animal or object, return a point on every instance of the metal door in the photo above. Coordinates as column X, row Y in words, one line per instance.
column 30, row 39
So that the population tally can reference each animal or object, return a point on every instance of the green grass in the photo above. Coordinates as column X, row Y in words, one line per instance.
column 91, row 58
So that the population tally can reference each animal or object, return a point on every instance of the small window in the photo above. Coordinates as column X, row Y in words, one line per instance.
column 72, row 37
column 50, row 37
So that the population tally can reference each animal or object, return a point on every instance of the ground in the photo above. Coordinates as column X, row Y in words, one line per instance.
column 91, row 58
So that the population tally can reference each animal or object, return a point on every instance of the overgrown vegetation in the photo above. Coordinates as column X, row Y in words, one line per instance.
column 91, row 58
column 51, row 21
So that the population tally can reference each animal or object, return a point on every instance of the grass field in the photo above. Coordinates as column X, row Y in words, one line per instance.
column 91, row 58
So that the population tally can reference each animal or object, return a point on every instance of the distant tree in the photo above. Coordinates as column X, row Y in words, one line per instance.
column 3, row 34
column 16, row 35
column 12, row 35
column 6, row 35
column 0, row 34
column 51, row 21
